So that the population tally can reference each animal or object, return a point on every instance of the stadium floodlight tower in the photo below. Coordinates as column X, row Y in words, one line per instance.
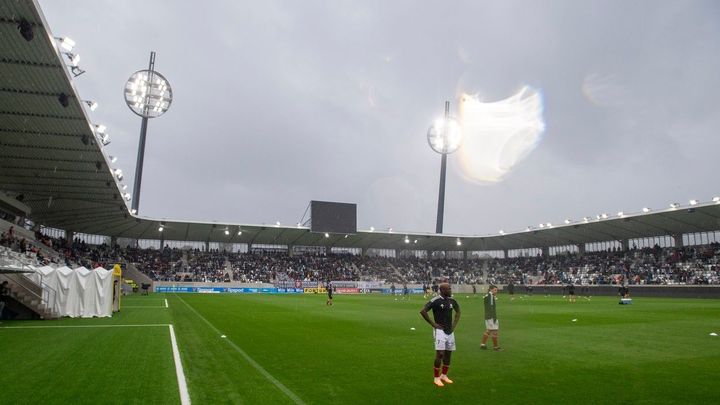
column 149, row 95
column 444, row 137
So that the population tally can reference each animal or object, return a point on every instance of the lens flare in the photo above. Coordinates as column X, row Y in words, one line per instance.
column 499, row 135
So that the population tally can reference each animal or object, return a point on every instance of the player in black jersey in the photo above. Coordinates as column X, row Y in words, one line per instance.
column 571, row 291
column 330, row 294
column 443, row 326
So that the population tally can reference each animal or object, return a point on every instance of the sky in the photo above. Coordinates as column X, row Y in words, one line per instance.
column 277, row 103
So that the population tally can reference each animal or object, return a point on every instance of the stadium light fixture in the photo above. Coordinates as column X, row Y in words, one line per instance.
column 66, row 43
column 646, row 209
column 501, row 232
column 227, row 232
column 716, row 200
column 528, row 229
column 239, row 232
column 92, row 104
column 74, row 58
column 104, row 139
column 149, row 95
column 389, row 230
column 133, row 211
column 415, row 241
column 118, row 174
column 277, row 224
column 113, row 159
column 567, row 221
column 674, row 206
column 407, row 240
column 444, row 137
column 126, row 196
column 372, row 229
column 693, row 202
column 162, row 227
column 458, row 242
column 327, row 235
column 604, row 215
column 100, row 129
column 346, row 236
column 549, row 225
column 124, row 187
column 586, row 219
column 541, row 225
column 621, row 214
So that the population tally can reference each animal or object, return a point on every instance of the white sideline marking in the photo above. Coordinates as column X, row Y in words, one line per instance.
column 141, row 306
column 249, row 359
column 182, row 385
column 84, row 326
column 166, row 304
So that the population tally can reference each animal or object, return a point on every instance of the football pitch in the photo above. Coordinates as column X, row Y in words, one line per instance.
column 275, row 349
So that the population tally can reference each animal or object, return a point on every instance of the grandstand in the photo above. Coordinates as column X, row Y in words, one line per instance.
column 63, row 206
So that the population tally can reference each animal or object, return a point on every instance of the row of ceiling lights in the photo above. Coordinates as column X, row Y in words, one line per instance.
column 620, row 214
column 67, row 46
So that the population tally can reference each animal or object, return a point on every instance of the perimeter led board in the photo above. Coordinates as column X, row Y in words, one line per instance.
column 333, row 217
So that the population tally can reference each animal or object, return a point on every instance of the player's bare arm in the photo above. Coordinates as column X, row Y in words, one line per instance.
column 424, row 314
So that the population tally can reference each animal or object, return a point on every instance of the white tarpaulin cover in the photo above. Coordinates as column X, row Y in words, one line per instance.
column 78, row 293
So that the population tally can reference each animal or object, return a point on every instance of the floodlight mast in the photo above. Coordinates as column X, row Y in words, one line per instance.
column 444, row 137
column 441, row 192
column 149, row 95
column 141, row 145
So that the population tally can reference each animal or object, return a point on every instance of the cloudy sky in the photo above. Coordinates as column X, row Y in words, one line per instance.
column 281, row 102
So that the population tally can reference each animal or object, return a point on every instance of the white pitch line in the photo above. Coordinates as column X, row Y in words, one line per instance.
column 83, row 326
column 166, row 304
column 141, row 306
column 182, row 384
column 249, row 359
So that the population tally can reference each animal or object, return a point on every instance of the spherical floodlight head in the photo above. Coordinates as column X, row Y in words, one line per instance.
column 445, row 135
column 148, row 94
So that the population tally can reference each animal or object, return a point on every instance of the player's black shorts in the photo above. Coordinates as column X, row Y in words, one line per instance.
column 572, row 293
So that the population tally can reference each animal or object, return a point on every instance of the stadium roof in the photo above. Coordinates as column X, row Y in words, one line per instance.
column 50, row 155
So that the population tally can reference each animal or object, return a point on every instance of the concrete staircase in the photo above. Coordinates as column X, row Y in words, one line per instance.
column 29, row 297
column 131, row 272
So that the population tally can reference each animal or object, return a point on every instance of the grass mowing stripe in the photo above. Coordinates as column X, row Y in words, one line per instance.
column 247, row 357
column 182, row 384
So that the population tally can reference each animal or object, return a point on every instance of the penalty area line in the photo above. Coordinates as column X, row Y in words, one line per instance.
column 247, row 357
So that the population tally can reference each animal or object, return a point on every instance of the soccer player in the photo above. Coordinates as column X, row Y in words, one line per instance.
column 491, row 322
column 511, row 290
column 443, row 331
column 571, row 292
column 330, row 294
column 434, row 288
column 392, row 289
column 406, row 292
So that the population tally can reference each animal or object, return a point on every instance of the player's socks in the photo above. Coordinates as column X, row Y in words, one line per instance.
column 444, row 370
column 436, row 372
column 437, row 382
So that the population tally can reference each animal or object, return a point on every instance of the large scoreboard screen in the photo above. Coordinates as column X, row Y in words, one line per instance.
column 333, row 217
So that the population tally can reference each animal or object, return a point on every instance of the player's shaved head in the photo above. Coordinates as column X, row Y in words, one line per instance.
column 445, row 290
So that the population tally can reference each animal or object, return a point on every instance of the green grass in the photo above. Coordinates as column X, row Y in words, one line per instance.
column 363, row 351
